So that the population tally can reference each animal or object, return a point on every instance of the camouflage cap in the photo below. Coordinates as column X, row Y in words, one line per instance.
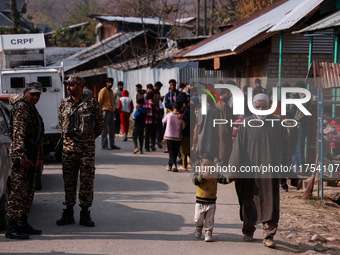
column 33, row 87
column 74, row 79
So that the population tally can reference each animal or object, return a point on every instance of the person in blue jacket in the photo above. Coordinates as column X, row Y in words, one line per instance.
column 171, row 97
column 138, row 130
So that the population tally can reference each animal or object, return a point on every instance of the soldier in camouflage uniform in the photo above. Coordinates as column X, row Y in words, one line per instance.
column 27, row 129
column 81, row 122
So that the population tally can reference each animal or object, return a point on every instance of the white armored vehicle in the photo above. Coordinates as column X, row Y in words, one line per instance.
column 22, row 60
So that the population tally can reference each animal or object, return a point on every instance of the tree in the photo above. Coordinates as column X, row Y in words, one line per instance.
column 81, row 11
column 197, row 17
column 221, row 12
column 148, row 52
column 246, row 8
column 56, row 12
column 15, row 15
column 137, row 8
column 224, row 13
column 64, row 36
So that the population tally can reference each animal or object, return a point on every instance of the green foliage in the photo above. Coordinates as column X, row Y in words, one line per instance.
column 223, row 15
column 65, row 37
column 246, row 8
column 11, row 30
column 39, row 17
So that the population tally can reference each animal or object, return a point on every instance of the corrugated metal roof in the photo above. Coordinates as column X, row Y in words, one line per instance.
column 283, row 16
column 43, row 28
column 5, row 21
column 326, row 75
column 5, row 5
column 136, row 20
column 55, row 54
column 184, row 20
column 300, row 10
column 328, row 22
column 101, row 48
column 144, row 61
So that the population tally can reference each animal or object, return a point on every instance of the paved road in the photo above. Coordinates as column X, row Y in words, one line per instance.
column 139, row 208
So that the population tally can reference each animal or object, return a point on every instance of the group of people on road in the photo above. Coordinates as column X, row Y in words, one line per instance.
column 82, row 119
column 170, row 122
column 156, row 119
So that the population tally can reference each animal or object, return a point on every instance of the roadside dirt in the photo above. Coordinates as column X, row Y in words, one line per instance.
column 312, row 226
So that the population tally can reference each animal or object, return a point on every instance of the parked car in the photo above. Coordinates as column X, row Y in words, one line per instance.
column 5, row 163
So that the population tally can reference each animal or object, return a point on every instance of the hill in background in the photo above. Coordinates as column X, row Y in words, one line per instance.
column 56, row 12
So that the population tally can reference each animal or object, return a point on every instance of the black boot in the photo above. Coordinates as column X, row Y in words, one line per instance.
column 67, row 217
column 14, row 232
column 85, row 218
column 27, row 228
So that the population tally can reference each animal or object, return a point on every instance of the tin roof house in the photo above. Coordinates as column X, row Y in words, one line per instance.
column 263, row 45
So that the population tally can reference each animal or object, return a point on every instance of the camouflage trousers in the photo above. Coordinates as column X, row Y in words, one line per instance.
column 78, row 159
column 22, row 192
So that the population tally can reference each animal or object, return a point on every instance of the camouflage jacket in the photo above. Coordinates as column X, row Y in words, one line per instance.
column 82, row 120
column 27, row 130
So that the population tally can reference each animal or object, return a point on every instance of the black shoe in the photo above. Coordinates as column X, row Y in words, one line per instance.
column 153, row 148
column 159, row 144
column 85, row 219
column 115, row 147
column 13, row 231
column 248, row 237
column 125, row 139
column 66, row 218
column 106, row 148
column 146, row 149
column 16, row 235
column 28, row 229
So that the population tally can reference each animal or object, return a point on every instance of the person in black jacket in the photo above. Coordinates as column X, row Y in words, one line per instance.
column 138, row 130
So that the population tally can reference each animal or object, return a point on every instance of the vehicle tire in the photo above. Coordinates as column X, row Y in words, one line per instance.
column 3, row 209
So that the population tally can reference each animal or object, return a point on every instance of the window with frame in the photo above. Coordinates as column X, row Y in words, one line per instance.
column 46, row 81
column 17, row 82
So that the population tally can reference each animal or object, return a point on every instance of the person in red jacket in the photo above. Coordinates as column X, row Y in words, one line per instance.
column 125, row 108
